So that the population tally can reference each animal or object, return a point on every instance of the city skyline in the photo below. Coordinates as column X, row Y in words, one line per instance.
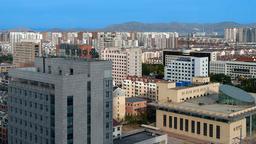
column 98, row 14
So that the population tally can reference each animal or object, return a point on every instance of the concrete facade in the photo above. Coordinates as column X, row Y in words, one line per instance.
column 61, row 101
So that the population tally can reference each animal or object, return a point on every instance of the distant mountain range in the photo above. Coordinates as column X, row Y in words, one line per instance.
column 157, row 27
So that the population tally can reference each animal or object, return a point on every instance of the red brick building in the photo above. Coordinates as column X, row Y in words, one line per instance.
column 135, row 106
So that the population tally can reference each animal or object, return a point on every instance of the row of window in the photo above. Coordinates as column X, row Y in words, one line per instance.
column 195, row 126
column 35, row 95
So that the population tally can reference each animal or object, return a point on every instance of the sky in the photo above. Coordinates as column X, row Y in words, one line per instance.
column 101, row 13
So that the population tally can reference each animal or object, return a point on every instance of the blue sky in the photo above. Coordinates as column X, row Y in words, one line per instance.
column 100, row 13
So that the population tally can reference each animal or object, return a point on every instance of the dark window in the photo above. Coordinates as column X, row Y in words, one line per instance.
column 164, row 120
column 71, row 71
column 205, row 129
column 186, row 125
column 181, row 124
column 175, row 122
column 198, row 128
column 193, row 126
column 170, row 121
column 218, row 132
column 211, row 130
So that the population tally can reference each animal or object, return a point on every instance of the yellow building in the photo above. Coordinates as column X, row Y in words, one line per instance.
column 118, row 104
column 207, row 113
column 169, row 92
column 25, row 53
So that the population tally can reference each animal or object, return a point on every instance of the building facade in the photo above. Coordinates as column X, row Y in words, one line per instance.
column 126, row 62
column 201, row 112
column 135, row 106
column 61, row 101
column 118, row 104
column 140, row 87
column 25, row 53
column 234, row 69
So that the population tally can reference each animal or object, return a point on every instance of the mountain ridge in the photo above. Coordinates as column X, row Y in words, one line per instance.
column 153, row 27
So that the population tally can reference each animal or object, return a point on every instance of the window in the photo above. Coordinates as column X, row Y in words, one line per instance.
column 198, row 127
column 181, row 124
column 71, row 71
column 175, row 122
column 186, row 125
column 218, row 132
column 211, row 130
column 170, row 121
column 205, row 129
column 193, row 126
column 164, row 120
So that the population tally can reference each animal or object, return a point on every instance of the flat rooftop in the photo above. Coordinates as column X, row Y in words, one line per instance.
column 136, row 137
column 208, row 106
column 135, row 99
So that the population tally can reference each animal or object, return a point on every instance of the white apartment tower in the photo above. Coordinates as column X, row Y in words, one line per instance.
column 126, row 62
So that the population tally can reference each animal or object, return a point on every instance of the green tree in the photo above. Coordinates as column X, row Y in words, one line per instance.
column 248, row 85
column 221, row 78
column 6, row 58
column 155, row 69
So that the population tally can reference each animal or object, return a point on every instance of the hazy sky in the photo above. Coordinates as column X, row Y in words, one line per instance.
column 100, row 13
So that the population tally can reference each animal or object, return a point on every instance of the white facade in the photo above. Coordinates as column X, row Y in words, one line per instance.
column 117, row 131
column 140, row 87
column 234, row 69
column 125, row 62
column 184, row 68
column 151, row 57
column 16, row 37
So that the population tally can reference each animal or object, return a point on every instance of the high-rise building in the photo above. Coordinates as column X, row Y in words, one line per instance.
column 126, row 62
column 61, row 101
column 25, row 53
column 16, row 37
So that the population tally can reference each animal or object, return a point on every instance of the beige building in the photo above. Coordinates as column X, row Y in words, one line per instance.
column 168, row 92
column 205, row 112
column 25, row 53
column 140, row 87
column 125, row 62
column 118, row 104
column 4, row 67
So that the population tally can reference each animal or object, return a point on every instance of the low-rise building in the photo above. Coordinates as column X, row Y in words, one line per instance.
column 169, row 92
column 135, row 106
column 118, row 104
column 220, row 116
column 144, row 136
column 234, row 69
column 4, row 67
column 117, row 129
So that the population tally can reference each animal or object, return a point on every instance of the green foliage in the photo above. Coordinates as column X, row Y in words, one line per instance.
column 139, row 119
column 94, row 53
column 156, row 69
column 221, row 78
column 248, row 85
column 6, row 58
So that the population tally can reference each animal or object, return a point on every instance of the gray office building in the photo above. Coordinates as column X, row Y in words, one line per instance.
column 61, row 101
